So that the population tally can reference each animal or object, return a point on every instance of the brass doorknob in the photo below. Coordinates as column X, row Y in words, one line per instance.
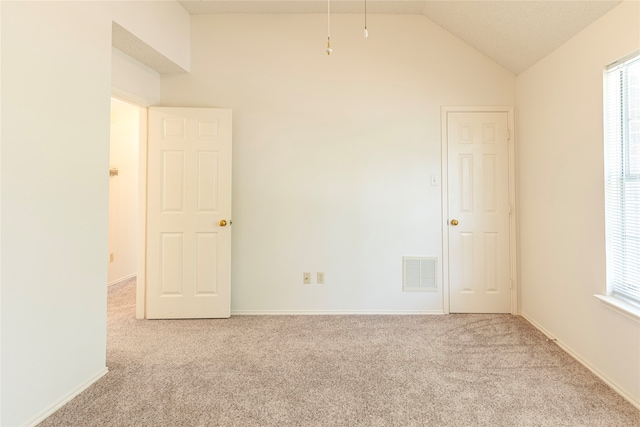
column 223, row 222
column 454, row 222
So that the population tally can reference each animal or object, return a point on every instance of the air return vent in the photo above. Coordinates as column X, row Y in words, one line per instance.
column 419, row 274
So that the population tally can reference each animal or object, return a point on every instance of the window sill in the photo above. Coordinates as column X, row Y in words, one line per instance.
column 621, row 307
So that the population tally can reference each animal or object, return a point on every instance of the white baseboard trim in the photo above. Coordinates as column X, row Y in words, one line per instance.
column 573, row 354
column 333, row 312
column 122, row 279
column 65, row 399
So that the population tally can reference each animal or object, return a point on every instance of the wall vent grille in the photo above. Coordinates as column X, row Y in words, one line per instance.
column 419, row 274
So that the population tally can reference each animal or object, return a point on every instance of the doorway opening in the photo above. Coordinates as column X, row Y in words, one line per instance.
column 127, row 154
column 123, row 192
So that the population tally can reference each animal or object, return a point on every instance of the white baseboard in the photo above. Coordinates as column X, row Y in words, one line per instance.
column 122, row 279
column 65, row 399
column 332, row 312
column 573, row 354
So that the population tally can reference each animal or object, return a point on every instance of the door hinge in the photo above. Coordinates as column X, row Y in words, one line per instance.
column 508, row 134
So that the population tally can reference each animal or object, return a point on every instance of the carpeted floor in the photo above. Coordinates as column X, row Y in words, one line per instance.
column 455, row 370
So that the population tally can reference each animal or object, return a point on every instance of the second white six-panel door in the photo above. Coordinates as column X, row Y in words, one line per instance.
column 478, row 223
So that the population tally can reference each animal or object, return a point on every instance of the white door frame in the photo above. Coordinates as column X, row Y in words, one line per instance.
column 141, row 280
column 445, row 200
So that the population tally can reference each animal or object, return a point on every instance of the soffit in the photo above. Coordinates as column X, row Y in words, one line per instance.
column 128, row 43
column 515, row 34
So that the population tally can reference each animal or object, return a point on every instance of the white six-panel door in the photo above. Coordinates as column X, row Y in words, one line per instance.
column 478, row 208
column 188, row 260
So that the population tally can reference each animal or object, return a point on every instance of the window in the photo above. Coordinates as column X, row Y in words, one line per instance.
column 622, row 178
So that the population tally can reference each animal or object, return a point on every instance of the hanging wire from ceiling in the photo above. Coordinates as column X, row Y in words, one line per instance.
column 329, row 50
column 366, row 32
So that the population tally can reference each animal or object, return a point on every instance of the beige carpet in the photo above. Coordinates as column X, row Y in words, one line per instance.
column 456, row 370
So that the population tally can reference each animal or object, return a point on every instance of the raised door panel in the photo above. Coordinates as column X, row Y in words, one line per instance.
column 467, row 263
column 172, row 181
column 171, row 264
column 206, row 264
column 207, row 182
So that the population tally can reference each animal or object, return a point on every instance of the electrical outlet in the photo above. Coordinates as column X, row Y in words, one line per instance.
column 112, row 256
column 320, row 278
column 306, row 278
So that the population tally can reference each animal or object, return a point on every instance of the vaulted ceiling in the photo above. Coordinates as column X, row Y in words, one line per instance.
column 516, row 34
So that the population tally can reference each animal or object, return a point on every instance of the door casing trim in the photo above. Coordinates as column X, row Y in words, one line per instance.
column 141, row 282
column 444, row 163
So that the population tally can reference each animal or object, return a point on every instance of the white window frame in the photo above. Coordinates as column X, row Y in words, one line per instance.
column 622, row 187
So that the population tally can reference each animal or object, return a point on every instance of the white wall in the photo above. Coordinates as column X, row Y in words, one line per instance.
column 561, row 197
column 333, row 155
column 56, row 87
column 123, row 191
